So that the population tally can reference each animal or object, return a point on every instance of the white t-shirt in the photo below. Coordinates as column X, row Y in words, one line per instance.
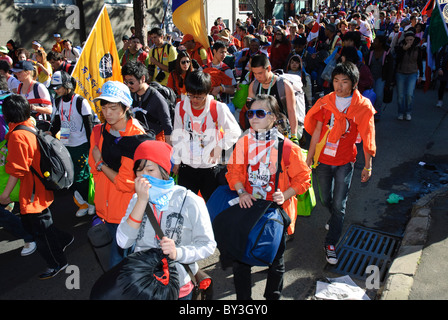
column 71, row 121
column 13, row 83
column 71, row 55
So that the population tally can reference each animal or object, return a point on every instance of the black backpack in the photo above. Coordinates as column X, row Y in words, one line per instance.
column 55, row 163
column 169, row 95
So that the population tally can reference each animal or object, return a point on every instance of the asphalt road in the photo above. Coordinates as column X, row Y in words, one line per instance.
column 396, row 169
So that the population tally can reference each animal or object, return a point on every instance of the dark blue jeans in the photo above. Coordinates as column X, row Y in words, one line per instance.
column 334, row 183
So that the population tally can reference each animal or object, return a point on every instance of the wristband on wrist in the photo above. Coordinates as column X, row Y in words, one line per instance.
column 136, row 221
column 100, row 165
column 367, row 169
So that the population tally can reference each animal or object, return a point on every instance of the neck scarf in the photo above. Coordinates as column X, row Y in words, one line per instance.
column 260, row 145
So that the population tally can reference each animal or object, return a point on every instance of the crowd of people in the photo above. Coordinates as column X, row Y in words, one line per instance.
column 364, row 54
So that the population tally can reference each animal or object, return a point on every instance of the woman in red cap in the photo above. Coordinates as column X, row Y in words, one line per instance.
column 182, row 214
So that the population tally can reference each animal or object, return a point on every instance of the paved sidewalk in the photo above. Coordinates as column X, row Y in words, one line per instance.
column 419, row 271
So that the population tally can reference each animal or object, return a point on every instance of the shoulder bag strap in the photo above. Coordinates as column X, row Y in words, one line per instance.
column 279, row 161
column 160, row 234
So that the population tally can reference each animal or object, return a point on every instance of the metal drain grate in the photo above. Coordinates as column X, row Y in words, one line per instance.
column 361, row 247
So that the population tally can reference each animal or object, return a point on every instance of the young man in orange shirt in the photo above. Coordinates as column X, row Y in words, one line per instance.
column 34, row 199
column 335, row 121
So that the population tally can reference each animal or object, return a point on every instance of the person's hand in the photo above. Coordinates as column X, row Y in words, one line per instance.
column 175, row 169
column 168, row 247
column 142, row 186
column 365, row 175
column 215, row 91
column 215, row 155
column 246, row 200
column 440, row 72
column 152, row 60
column 309, row 161
column 278, row 197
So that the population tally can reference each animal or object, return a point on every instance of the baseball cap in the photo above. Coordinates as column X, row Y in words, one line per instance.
column 187, row 37
column 4, row 49
column 22, row 66
column 62, row 78
column 308, row 20
column 115, row 91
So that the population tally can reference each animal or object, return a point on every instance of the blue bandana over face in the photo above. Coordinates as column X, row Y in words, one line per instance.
column 160, row 192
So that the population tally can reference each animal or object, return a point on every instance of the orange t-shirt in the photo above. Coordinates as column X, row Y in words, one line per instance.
column 23, row 153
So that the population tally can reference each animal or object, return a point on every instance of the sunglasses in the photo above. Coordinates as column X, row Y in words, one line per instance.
column 185, row 62
column 260, row 113
column 131, row 83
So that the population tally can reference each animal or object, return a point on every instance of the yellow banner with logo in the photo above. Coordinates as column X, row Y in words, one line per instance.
column 98, row 62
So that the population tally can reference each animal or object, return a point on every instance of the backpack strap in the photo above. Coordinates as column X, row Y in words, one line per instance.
column 34, row 171
column 282, row 93
column 213, row 111
column 182, row 111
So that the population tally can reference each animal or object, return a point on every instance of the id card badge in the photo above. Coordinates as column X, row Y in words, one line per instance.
column 331, row 148
column 258, row 192
column 65, row 135
column 196, row 145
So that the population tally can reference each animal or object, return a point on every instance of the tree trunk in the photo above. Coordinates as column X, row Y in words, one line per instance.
column 269, row 9
column 140, row 21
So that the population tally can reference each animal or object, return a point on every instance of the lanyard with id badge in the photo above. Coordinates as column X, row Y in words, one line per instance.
column 259, row 177
column 65, row 131
column 197, row 138
column 330, row 148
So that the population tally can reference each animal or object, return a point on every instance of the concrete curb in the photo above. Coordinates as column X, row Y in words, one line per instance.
column 400, row 278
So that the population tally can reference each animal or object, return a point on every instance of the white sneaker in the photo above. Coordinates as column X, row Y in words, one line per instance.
column 400, row 117
column 439, row 104
column 91, row 209
column 78, row 199
column 82, row 212
column 330, row 254
column 408, row 117
column 28, row 249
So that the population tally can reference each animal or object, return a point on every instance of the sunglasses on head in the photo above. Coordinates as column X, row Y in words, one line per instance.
column 260, row 113
column 185, row 61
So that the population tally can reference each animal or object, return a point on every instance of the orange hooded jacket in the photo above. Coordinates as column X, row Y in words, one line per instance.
column 112, row 198
column 23, row 152
column 296, row 175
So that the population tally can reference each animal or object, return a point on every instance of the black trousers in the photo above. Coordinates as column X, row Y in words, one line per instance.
column 204, row 180
column 50, row 240
column 274, row 284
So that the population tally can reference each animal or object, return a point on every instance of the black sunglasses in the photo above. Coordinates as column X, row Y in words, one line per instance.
column 260, row 113
column 185, row 62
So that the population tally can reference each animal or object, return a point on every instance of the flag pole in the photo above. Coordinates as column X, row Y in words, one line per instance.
column 90, row 33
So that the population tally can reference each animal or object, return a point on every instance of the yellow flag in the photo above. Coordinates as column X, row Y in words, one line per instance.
column 189, row 17
column 98, row 62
